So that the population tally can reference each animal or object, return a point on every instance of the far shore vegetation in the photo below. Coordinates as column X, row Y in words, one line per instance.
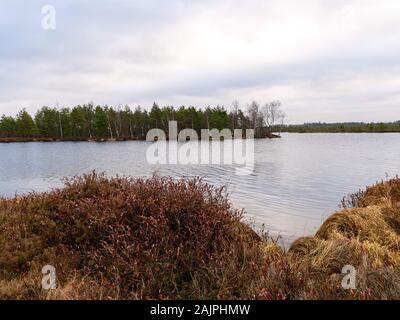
column 86, row 122
column 104, row 123
column 350, row 127
column 161, row 238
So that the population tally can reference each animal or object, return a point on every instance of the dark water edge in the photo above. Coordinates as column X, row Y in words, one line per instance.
column 45, row 139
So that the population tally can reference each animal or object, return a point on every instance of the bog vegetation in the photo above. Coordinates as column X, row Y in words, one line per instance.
column 159, row 238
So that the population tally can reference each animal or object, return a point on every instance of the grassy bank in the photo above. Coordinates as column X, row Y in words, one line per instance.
column 159, row 238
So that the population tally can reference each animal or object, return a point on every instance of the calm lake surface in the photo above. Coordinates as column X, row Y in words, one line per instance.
column 297, row 182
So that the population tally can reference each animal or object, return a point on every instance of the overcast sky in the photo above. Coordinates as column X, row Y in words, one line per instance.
column 325, row 60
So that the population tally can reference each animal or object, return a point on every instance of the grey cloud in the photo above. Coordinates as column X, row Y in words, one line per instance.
column 128, row 51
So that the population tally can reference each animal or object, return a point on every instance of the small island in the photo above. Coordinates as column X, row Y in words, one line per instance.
column 103, row 123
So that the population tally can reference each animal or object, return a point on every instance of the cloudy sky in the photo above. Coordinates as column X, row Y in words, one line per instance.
column 325, row 60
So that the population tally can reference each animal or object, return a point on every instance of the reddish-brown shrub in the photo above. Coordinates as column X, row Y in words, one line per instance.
column 153, row 238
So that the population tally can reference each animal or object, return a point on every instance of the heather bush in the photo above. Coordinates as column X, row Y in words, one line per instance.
column 148, row 238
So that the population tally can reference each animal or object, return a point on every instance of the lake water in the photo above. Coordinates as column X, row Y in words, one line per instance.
column 297, row 182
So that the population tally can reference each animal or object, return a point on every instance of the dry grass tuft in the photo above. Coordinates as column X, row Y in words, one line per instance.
column 367, row 237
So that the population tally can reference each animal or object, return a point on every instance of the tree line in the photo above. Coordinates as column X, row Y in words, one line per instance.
column 89, row 121
column 351, row 127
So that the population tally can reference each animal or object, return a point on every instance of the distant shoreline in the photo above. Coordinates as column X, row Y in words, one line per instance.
column 345, row 127
column 43, row 139
column 302, row 132
column 142, row 138
column 83, row 139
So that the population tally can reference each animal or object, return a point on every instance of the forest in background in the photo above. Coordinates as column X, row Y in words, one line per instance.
column 90, row 121
column 105, row 122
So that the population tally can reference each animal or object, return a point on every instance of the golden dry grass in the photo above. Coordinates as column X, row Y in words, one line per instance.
column 366, row 237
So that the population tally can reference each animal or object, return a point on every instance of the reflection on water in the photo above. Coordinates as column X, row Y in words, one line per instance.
column 297, row 181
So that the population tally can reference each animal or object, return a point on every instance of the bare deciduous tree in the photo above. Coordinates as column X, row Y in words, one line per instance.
column 273, row 114
column 252, row 112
